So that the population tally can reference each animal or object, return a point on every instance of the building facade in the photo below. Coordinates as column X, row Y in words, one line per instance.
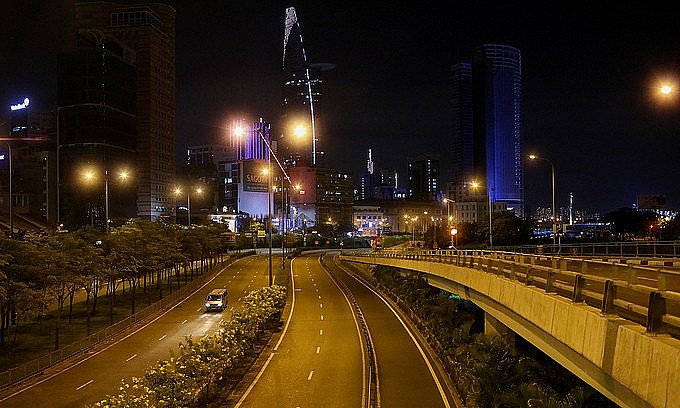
column 97, row 128
column 423, row 177
column 148, row 29
column 497, row 87
column 461, row 93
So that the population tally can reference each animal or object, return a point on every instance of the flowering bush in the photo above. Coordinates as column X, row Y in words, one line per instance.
column 179, row 381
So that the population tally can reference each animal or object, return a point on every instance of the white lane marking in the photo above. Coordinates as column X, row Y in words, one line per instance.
column 131, row 357
column 321, row 305
column 49, row 377
column 311, row 373
column 86, row 384
column 318, row 349
column 298, row 290
column 321, row 332
column 199, row 309
column 185, row 320
column 319, row 296
column 162, row 337
column 321, row 317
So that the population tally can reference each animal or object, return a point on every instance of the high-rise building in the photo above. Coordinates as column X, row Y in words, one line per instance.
column 461, row 92
column 148, row 31
column 423, row 177
column 302, row 90
column 96, row 120
column 31, row 143
column 497, row 151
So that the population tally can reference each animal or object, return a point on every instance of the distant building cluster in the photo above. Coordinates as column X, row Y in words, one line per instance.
column 115, row 122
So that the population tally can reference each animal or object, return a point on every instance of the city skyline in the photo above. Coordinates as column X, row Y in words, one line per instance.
column 587, row 80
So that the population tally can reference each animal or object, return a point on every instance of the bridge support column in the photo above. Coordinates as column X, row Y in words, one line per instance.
column 493, row 326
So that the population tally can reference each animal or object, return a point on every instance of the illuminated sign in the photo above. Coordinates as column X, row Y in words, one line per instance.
column 2, row 156
column 253, row 179
column 22, row 105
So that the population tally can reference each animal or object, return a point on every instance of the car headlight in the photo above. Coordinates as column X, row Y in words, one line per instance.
column 219, row 303
column 207, row 305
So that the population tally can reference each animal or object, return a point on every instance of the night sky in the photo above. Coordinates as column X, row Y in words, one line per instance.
column 589, row 77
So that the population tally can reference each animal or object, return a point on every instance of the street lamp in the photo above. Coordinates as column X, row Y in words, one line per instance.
column 449, row 218
column 179, row 191
column 123, row 175
column 475, row 185
column 552, row 173
column 299, row 131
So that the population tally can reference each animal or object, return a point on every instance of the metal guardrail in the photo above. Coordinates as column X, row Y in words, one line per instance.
column 648, row 296
column 26, row 370
column 657, row 249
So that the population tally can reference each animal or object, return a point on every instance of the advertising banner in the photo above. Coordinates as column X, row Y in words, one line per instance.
column 253, row 177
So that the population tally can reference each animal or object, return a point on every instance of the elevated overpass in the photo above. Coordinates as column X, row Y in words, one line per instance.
column 614, row 323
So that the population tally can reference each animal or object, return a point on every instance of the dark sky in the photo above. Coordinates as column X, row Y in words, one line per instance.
column 588, row 78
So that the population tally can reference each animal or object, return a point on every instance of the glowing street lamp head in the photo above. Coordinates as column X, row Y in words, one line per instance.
column 199, row 190
column 533, row 157
column 178, row 190
column 666, row 89
column 239, row 131
column 299, row 131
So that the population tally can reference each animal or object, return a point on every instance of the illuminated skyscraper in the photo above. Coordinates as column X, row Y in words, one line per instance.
column 487, row 138
column 301, row 94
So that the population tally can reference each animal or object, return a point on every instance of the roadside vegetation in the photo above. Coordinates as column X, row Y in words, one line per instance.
column 58, row 288
column 187, row 377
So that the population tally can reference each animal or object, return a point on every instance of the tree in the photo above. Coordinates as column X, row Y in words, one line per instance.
column 630, row 223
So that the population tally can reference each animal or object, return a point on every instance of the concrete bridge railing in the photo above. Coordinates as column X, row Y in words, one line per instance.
column 615, row 325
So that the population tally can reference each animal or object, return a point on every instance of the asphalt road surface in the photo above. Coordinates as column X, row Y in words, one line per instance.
column 100, row 373
column 319, row 360
column 408, row 374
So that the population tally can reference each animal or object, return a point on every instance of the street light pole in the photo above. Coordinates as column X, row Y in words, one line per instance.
column 552, row 176
column 106, row 199
column 283, row 226
column 269, row 205
column 11, row 199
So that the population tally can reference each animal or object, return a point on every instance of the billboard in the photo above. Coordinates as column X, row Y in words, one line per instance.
column 652, row 202
column 253, row 177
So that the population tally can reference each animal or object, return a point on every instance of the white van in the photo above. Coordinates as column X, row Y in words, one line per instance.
column 216, row 300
